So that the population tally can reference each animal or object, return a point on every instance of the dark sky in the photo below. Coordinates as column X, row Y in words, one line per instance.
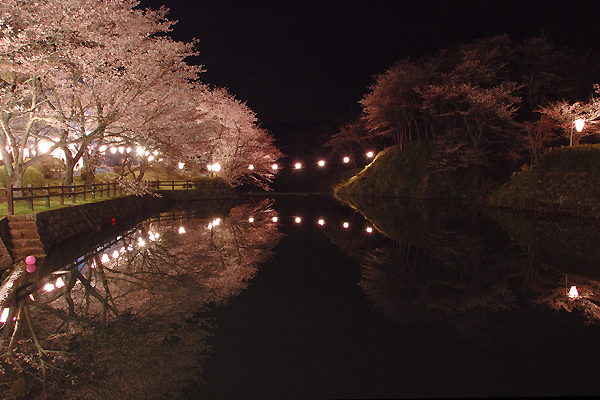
column 313, row 60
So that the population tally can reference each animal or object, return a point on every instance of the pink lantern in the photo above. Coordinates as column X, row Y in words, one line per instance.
column 30, row 268
column 29, row 260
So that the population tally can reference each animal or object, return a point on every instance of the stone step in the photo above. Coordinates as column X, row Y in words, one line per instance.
column 29, row 251
column 22, row 225
column 20, row 243
column 24, row 234
column 23, row 217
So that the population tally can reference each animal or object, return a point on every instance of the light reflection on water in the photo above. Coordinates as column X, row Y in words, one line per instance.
column 302, row 297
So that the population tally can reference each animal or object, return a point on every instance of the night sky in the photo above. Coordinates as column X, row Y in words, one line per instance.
column 313, row 60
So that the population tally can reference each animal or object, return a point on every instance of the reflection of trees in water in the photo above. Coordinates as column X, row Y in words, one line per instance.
column 453, row 266
column 127, row 323
column 566, row 248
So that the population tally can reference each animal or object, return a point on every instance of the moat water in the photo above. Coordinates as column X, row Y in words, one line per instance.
column 301, row 296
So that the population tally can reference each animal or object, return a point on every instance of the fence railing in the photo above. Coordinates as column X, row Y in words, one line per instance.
column 72, row 193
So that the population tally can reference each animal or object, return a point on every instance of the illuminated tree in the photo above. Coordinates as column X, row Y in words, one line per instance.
column 228, row 134
column 392, row 108
column 73, row 80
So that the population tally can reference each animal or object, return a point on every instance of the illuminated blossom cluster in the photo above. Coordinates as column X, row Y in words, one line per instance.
column 77, row 76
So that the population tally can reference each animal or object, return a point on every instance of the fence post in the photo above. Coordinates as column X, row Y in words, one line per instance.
column 172, row 185
column 62, row 194
column 74, row 192
column 30, row 199
column 47, row 193
column 94, row 191
column 108, row 191
column 101, row 190
column 9, row 199
column 84, row 191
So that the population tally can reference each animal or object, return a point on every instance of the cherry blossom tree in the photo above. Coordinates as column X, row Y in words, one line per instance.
column 562, row 115
column 228, row 134
column 74, row 80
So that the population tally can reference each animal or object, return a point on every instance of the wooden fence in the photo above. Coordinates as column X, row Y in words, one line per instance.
column 71, row 193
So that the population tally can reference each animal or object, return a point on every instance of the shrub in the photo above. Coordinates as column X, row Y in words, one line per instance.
column 49, row 166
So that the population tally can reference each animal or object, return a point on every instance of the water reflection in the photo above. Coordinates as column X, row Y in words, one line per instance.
column 456, row 264
column 125, row 320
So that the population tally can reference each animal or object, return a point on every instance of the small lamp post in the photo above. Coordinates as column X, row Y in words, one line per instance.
column 579, row 124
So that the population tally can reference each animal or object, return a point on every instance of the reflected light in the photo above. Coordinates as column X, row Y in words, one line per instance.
column 4, row 315
column 346, row 225
column 573, row 293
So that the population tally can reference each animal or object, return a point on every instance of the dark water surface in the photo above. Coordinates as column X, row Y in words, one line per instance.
column 221, row 301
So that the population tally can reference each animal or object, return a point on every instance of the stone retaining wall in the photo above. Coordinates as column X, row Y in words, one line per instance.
column 59, row 225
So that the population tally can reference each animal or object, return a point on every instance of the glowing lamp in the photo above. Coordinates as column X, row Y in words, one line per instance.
column 105, row 258
column 29, row 260
column 250, row 167
column 30, row 268
column 215, row 167
column 346, row 225
column 59, row 283
column 4, row 315
column 44, row 147
column 275, row 219
column 113, row 150
column 251, row 219
column 48, row 287
column 369, row 229
column 321, row 163
column 181, row 165
column 140, row 151
column 181, row 230
column 573, row 293
column 115, row 254
column 321, row 222
column 346, row 160
column 370, row 154
column 298, row 220
column 298, row 165
column 274, row 166
column 579, row 124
